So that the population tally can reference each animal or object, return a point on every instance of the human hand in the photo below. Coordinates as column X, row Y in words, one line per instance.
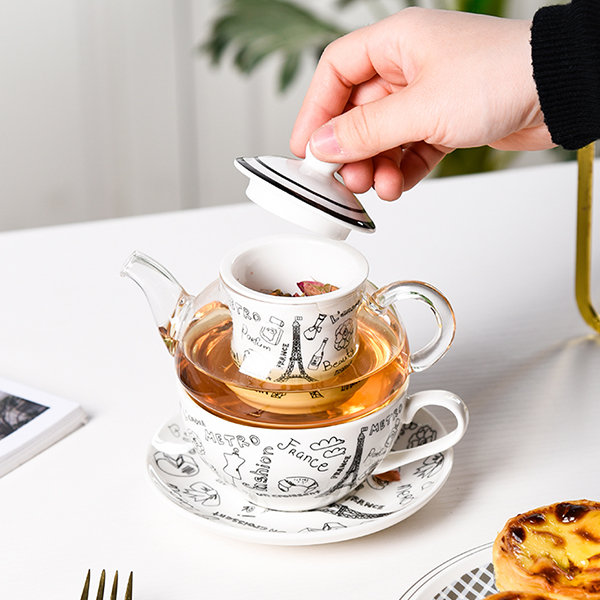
column 392, row 99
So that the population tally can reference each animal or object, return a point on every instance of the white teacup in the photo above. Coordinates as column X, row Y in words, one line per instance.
column 293, row 469
column 298, row 340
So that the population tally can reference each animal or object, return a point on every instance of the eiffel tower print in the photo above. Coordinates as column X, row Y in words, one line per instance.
column 295, row 357
column 341, row 510
column 349, row 479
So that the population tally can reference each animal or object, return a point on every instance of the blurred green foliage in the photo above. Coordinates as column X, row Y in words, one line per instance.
column 256, row 29
column 252, row 30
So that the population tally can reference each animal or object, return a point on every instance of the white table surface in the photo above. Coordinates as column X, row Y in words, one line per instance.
column 501, row 246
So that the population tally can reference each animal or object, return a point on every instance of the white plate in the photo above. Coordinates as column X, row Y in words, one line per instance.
column 468, row 576
column 188, row 483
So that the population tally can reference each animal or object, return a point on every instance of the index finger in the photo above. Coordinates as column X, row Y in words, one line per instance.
column 344, row 64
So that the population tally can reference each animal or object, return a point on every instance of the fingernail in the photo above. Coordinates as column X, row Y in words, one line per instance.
column 323, row 140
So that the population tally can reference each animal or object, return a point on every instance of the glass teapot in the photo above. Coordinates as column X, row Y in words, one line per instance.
column 254, row 348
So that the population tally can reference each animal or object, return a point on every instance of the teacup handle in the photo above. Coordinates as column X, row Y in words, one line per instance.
column 412, row 404
column 444, row 316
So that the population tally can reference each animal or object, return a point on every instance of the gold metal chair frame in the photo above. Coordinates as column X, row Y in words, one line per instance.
column 585, row 161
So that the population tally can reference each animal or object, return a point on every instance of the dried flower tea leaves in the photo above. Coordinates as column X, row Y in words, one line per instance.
column 308, row 288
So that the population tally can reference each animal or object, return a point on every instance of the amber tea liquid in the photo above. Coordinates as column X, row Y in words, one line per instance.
column 377, row 374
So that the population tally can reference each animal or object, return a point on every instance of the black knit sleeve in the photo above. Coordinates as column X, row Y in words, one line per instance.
column 565, row 51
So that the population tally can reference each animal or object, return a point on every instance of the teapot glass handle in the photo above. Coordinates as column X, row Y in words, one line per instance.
column 439, row 305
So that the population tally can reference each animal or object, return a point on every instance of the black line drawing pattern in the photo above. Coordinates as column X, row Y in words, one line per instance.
column 298, row 485
column 233, row 462
column 423, row 435
column 430, row 466
column 191, row 436
column 243, row 311
column 331, row 447
column 341, row 510
column 175, row 430
column 404, row 494
column 329, row 526
column 272, row 333
column 182, row 465
column 317, row 357
column 349, row 479
column 295, row 357
column 343, row 335
column 375, row 483
column 197, row 493
column 16, row 412
column 393, row 435
column 311, row 333
column 276, row 321
column 407, row 427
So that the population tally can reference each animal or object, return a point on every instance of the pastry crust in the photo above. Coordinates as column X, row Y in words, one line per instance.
column 553, row 551
column 517, row 596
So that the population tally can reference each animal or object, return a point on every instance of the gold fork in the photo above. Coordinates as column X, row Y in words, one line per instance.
column 113, row 592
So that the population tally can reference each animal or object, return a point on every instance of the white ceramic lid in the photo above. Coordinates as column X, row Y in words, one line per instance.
column 305, row 192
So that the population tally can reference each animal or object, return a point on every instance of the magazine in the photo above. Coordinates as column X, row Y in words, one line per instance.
column 31, row 421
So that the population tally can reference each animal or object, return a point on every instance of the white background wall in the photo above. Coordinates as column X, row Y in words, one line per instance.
column 107, row 109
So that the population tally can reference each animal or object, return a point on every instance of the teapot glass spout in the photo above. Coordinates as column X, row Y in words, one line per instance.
column 169, row 302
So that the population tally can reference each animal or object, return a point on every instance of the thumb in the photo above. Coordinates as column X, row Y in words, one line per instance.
column 369, row 129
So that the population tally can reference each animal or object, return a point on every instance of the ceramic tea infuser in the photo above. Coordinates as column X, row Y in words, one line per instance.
column 305, row 192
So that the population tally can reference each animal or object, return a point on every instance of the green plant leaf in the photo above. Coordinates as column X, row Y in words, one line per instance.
column 289, row 69
column 256, row 29
column 484, row 7
column 465, row 161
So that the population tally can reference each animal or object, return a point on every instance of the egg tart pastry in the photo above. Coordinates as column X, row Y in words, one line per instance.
column 517, row 596
column 553, row 551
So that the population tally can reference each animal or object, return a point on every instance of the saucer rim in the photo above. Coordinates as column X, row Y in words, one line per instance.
column 353, row 531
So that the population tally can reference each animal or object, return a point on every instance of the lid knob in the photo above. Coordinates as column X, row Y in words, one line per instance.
column 311, row 164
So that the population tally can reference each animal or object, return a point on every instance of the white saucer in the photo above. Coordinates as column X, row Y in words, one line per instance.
column 468, row 576
column 185, row 480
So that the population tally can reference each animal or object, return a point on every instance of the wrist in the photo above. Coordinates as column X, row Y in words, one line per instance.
column 566, row 59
